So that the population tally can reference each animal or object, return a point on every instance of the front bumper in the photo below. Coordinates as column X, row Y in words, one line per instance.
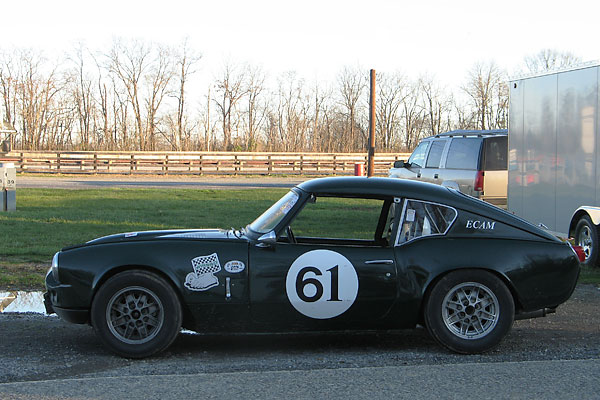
column 75, row 316
column 59, row 299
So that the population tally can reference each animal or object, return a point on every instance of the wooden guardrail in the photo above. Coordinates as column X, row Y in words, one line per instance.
column 195, row 163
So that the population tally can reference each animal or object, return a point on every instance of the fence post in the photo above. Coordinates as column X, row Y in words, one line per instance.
column 270, row 163
column 166, row 164
column 58, row 161
column 131, row 164
column 334, row 165
column 95, row 163
column 200, row 170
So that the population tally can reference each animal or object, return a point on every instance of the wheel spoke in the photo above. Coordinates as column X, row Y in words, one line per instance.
column 477, row 315
column 134, row 315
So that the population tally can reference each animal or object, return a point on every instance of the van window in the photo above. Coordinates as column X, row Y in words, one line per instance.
column 417, row 158
column 435, row 154
column 463, row 153
column 496, row 154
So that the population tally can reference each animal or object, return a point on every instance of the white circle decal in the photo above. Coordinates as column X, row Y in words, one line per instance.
column 321, row 284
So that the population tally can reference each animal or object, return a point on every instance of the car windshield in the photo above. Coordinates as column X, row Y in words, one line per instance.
column 270, row 218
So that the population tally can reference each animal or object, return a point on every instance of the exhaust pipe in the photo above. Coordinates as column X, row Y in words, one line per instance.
column 535, row 314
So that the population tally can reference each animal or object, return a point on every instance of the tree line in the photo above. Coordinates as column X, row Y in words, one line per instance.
column 135, row 96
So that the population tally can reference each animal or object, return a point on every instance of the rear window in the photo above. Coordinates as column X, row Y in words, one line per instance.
column 496, row 154
column 435, row 154
column 463, row 153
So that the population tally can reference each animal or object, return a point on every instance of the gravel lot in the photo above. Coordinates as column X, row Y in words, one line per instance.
column 36, row 347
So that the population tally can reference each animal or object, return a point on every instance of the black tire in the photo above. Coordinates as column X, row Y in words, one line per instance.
column 480, row 322
column 136, row 314
column 586, row 236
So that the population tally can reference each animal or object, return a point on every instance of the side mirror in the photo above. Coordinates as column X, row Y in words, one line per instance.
column 401, row 164
column 267, row 240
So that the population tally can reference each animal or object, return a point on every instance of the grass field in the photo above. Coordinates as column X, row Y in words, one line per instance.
column 49, row 219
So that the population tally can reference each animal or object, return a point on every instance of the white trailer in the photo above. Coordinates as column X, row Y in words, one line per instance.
column 554, row 148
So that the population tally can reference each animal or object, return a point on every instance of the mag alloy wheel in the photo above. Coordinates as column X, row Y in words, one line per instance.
column 470, row 310
column 134, row 315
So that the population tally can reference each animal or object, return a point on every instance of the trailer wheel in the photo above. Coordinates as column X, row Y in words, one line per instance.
column 586, row 236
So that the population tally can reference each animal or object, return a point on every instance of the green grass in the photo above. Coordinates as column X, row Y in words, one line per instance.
column 48, row 219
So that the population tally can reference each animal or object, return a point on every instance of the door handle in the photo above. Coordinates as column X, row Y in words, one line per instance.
column 419, row 175
column 435, row 176
column 387, row 262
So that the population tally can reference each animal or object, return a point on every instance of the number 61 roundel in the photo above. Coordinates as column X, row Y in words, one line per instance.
column 321, row 284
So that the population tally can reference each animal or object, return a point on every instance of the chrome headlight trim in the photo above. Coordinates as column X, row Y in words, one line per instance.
column 54, row 267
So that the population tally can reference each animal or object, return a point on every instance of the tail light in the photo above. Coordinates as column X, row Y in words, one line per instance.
column 580, row 253
column 479, row 181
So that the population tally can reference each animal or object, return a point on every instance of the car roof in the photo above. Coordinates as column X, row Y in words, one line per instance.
column 350, row 185
column 477, row 133
column 405, row 188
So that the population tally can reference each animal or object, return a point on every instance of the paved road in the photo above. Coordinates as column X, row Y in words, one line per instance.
column 557, row 357
column 557, row 379
column 96, row 182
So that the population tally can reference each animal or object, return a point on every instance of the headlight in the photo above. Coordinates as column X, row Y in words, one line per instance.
column 54, row 267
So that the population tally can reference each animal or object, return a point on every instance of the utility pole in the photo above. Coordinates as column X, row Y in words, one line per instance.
column 371, row 154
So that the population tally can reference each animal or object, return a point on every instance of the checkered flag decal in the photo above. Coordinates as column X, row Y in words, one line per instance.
column 206, row 264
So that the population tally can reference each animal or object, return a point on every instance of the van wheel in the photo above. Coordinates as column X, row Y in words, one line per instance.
column 586, row 236
column 469, row 311
column 136, row 314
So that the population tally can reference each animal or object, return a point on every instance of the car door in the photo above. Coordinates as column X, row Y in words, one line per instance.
column 415, row 163
column 431, row 172
column 321, row 283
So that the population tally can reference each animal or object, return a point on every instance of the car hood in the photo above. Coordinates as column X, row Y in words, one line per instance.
column 214, row 234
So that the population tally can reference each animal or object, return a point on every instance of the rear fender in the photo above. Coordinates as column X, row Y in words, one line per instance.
column 590, row 211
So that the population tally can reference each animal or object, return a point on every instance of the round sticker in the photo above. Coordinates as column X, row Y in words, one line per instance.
column 321, row 284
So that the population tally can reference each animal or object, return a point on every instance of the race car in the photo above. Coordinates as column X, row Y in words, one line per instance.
column 341, row 253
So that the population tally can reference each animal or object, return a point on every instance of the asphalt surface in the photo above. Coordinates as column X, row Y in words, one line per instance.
column 533, row 380
column 557, row 357
column 124, row 181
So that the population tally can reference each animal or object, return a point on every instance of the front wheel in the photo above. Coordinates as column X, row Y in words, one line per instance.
column 469, row 311
column 136, row 314
column 586, row 236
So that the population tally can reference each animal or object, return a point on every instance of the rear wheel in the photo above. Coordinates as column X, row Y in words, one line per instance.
column 469, row 311
column 136, row 314
column 586, row 236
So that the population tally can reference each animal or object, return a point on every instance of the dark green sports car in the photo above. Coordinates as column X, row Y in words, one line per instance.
column 411, row 253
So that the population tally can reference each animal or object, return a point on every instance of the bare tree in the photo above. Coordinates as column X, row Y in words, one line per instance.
column 413, row 118
column 230, row 90
column 82, row 95
column 437, row 106
column 485, row 88
column 550, row 59
column 158, row 78
column 352, row 83
column 186, row 60
column 255, row 85
column 391, row 93
column 129, row 63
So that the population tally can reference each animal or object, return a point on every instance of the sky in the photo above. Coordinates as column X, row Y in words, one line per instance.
column 317, row 38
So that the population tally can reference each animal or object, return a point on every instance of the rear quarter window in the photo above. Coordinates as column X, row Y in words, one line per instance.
column 421, row 219
column 495, row 156
column 464, row 153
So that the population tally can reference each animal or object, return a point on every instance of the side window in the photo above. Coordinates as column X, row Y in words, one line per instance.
column 417, row 158
column 338, row 218
column 463, row 153
column 435, row 154
column 421, row 219
column 496, row 154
